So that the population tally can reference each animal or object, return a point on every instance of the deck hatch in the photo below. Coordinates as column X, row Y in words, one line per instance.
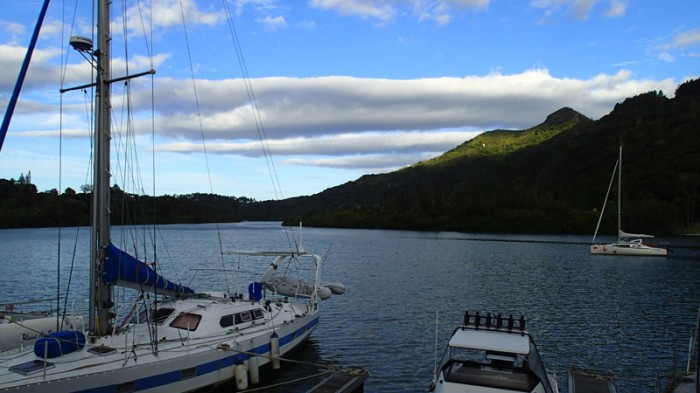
column 31, row 367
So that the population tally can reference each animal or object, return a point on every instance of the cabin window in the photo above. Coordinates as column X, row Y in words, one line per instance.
column 187, row 321
column 226, row 321
column 160, row 315
column 241, row 317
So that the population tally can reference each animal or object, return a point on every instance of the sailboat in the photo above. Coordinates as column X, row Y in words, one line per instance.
column 627, row 243
column 175, row 338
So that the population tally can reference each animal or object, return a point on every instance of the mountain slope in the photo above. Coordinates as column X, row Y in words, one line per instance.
column 499, row 142
column 548, row 179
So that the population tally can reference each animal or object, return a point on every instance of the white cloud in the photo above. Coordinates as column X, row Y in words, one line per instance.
column 376, row 163
column 383, row 11
column 668, row 50
column 580, row 9
column 686, row 38
column 273, row 23
column 667, row 57
column 169, row 13
column 13, row 28
column 339, row 144
column 11, row 58
column 617, row 9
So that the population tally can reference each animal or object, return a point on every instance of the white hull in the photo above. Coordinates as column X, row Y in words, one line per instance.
column 492, row 354
column 183, row 362
column 628, row 249
column 627, row 243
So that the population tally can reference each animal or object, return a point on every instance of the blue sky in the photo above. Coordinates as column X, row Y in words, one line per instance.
column 343, row 88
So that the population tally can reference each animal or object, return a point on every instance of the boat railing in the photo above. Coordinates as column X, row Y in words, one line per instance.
column 494, row 321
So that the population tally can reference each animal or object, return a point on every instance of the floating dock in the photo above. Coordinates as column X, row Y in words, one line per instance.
column 347, row 380
column 689, row 384
column 582, row 381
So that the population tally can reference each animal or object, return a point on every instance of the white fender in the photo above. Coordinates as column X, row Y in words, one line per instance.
column 241, row 372
column 275, row 351
column 253, row 370
column 336, row 287
column 324, row 293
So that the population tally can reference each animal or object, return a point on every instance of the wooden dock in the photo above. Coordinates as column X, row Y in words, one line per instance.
column 347, row 380
column 581, row 381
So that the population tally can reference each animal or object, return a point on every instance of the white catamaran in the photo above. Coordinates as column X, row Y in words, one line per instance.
column 179, row 339
column 627, row 243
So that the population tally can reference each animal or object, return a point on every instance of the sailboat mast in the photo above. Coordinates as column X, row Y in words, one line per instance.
column 100, row 292
column 619, row 195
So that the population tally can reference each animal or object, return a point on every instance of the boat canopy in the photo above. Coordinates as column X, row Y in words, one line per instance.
column 490, row 340
column 125, row 270
column 624, row 235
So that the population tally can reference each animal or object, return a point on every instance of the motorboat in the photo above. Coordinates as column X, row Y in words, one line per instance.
column 492, row 353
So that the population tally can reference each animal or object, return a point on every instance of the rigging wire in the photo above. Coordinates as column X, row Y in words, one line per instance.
column 59, row 324
column 253, row 103
column 201, row 131
column 64, row 67
column 267, row 151
column 607, row 194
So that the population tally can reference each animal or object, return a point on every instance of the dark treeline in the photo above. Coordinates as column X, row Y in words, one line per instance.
column 551, row 178
column 23, row 207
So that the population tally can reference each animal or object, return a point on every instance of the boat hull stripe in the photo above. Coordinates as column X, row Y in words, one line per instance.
column 206, row 368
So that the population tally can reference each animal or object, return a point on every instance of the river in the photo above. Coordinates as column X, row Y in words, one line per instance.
column 627, row 315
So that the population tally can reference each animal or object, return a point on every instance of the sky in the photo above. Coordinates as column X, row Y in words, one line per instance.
column 341, row 88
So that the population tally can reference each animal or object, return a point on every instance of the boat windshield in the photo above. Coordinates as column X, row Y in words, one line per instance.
column 496, row 369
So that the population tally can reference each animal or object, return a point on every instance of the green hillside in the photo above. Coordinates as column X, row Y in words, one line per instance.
column 551, row 178
column 500, row 142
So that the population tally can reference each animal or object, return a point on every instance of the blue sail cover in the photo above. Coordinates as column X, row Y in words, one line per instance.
column 124, row 270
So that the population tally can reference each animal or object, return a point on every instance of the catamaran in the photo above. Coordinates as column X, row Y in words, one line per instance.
column 627, row 243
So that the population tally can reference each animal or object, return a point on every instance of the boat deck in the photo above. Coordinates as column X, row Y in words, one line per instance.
column 581, row 381
column 475, row 374
column 349, row 380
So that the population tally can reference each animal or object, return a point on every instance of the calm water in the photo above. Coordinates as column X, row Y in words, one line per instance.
column 631, row 316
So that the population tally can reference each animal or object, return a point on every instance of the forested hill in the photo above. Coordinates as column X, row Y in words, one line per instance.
column 551, row 178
